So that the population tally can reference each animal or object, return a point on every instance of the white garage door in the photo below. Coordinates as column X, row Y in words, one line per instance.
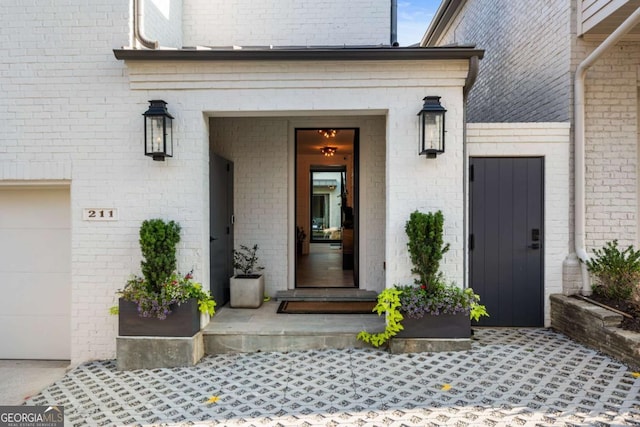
column 35, row 279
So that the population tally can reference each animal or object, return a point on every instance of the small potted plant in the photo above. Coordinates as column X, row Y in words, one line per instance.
column 430, row 308
column 162, row 302
column 247, row 286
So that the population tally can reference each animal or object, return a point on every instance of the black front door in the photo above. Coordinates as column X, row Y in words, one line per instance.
column 507, row 239
column 221, row 227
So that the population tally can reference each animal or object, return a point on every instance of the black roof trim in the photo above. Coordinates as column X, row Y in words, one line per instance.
column 300, row 54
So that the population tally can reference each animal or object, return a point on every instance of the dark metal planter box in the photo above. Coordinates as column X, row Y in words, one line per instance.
column 184, row 321
column 441, row 326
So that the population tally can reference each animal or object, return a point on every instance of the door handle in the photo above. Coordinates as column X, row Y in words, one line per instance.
column 534, row 246
column 211, row 239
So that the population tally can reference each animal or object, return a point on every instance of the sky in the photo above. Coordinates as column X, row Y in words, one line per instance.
column 414, row 17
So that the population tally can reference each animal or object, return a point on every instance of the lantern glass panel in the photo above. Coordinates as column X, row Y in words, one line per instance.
column 432, row 132
column 169, row 136
column 155, row 134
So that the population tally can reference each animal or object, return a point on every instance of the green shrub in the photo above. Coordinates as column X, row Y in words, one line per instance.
column 429, row 295
column 158, row 240
column 426, row 245
column 617, row 272
column 161, row 287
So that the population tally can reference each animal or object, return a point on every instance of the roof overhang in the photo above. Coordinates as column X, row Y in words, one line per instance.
column 599, row 25
column 300, row 54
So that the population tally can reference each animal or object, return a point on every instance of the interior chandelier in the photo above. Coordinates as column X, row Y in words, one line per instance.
column 328, row 133
column 329, row 151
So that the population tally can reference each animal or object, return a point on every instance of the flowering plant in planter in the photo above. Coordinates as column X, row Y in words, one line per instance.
column 176, row 289
column 429, row 295
column 161, row 287
column 441, row 298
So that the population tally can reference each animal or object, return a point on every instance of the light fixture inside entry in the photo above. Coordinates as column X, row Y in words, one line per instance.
column 328, row 133
column 329, row 151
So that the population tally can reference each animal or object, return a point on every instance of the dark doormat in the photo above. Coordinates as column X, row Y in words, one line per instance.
column 326, row 307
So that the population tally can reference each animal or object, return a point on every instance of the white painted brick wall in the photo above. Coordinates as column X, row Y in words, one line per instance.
column 58, row 124
column 611, row 117
column 72, row 112
column 163, row 22
column 258, row 147
column 427, row 185
column 552, row 141
column 286, row 22
column 524, row 75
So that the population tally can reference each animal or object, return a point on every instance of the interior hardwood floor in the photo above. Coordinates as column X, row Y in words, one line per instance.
column 322, row 268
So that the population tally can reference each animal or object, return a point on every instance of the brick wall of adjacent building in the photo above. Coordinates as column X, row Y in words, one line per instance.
column 286, row 22
column 527, row 74
column 611, row 120
column 524, row 75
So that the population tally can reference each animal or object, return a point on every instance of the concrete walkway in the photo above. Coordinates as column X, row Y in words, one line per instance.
column 21, row 379
column 519, row 377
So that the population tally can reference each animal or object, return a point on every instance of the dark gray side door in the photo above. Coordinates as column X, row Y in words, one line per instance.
column 506, row 241
column 221, row 227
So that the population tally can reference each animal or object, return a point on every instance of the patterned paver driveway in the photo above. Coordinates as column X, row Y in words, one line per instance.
column 516, row 377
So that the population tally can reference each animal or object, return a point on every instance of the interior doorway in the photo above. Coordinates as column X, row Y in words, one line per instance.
column 326, row 208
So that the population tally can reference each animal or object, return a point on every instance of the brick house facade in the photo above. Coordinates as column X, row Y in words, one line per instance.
column 73, row 134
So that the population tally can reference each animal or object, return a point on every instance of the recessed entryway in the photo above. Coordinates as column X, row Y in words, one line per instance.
column 326, row 208
column 35, row 273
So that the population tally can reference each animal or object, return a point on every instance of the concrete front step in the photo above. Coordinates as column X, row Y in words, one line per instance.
column 251, row 343
column 326, row 294
column 242, row 330
column 250, row 330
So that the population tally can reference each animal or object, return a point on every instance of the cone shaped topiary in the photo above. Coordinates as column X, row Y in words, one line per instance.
column 158, row 240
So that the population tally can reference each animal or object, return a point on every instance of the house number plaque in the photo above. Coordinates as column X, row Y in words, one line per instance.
column 100, row 214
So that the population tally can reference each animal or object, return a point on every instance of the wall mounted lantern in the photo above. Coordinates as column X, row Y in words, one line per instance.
column 158, row 131
column 431, row 119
